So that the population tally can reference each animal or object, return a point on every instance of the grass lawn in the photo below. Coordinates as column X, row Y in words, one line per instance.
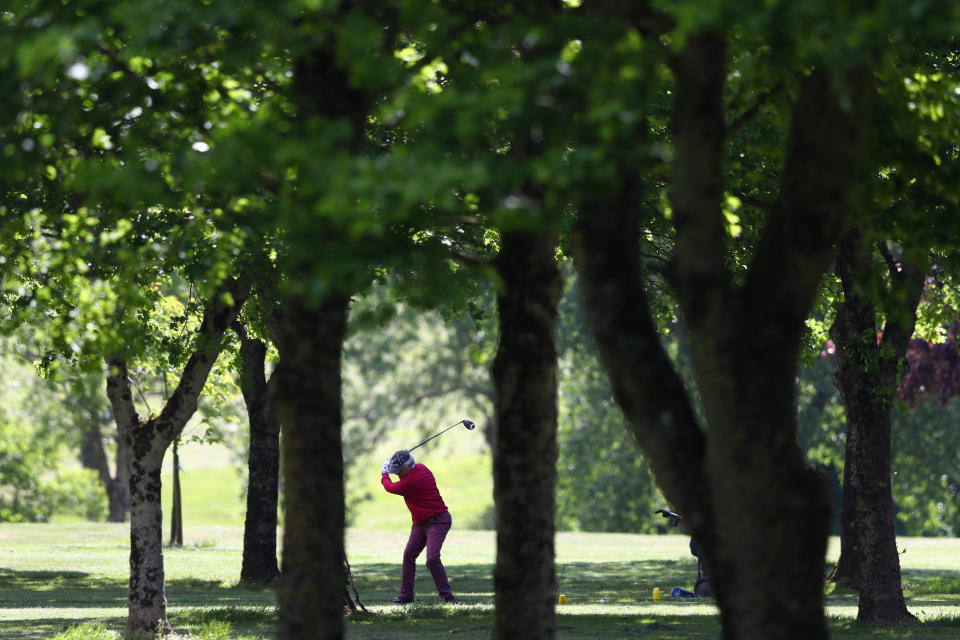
column 68, row 581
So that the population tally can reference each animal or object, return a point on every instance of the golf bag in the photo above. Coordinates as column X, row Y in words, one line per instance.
column 701, row 588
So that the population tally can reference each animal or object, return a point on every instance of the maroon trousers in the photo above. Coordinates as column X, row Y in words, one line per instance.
column 430, row 534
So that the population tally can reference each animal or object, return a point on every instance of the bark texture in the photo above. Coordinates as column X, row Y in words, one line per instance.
column 761, row 518
column 525, row 378
column 147, row 442
column 310, row 590
column 867, row 369
column 263, row 464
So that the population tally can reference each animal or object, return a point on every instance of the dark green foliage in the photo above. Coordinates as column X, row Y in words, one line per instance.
column 926, row 468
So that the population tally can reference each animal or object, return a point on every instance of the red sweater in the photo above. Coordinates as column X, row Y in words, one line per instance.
column 419, row 491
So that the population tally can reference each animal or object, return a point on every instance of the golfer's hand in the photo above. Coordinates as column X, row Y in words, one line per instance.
column 386, row 467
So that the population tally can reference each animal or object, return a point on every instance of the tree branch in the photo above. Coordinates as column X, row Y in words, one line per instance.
column 900, row 307
column 753, row 201
column 698, row 271
column 143, row 396
column 468, row 261
column 824, row 148
column 734, row 127
column 119, row 394
column 217, row 319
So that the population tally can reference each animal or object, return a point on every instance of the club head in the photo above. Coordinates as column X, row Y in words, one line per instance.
column 469, row 425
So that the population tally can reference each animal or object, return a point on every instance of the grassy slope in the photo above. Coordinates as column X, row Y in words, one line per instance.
column 212, row 484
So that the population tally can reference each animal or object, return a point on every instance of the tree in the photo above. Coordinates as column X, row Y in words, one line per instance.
column 311, row 328
column 821, row 420
column 934, row 368
column 133, row 123
column 83, row 413
column 744, row 475
column 867, row 370
column 923, row 443
column 742, row 483
column 176, row 508
column 116, row 217
column 525, row 377
column 148, row 440
column 384, row 139
column 311, row 588
column 263, row 469
column 123, row 334
column 871, row 355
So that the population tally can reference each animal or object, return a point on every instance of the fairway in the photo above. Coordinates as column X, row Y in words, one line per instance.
column 56, row 576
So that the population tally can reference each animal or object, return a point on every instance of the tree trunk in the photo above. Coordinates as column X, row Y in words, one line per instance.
column 772, row 514
column 176, row 508
column 146, row 600
column 263, row 464
column 310, row 342
column 847, row 569
column 93, row 455
column 147, row 603
column 525, row 377
column 867, row 370
column 310, row 589
column 147, row 442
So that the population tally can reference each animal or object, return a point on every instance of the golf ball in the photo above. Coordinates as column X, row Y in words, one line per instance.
column 602, row 601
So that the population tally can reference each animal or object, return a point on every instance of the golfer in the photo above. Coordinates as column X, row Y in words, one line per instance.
column 431, row 522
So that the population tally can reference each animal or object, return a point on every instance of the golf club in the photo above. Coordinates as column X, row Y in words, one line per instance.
column 469, row 425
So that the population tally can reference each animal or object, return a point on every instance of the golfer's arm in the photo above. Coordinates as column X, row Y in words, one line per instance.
column 397, row 487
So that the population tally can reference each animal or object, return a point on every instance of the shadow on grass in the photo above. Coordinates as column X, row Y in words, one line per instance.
column 59, row 589
column 39, row 604
column 75, row 589
column 424, row 622
column 26, row 596
column 621, row 585
column 251, row 610
column 582, row 582
column 928, row 581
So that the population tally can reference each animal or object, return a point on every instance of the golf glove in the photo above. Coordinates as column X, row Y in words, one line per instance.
column 386, row 467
